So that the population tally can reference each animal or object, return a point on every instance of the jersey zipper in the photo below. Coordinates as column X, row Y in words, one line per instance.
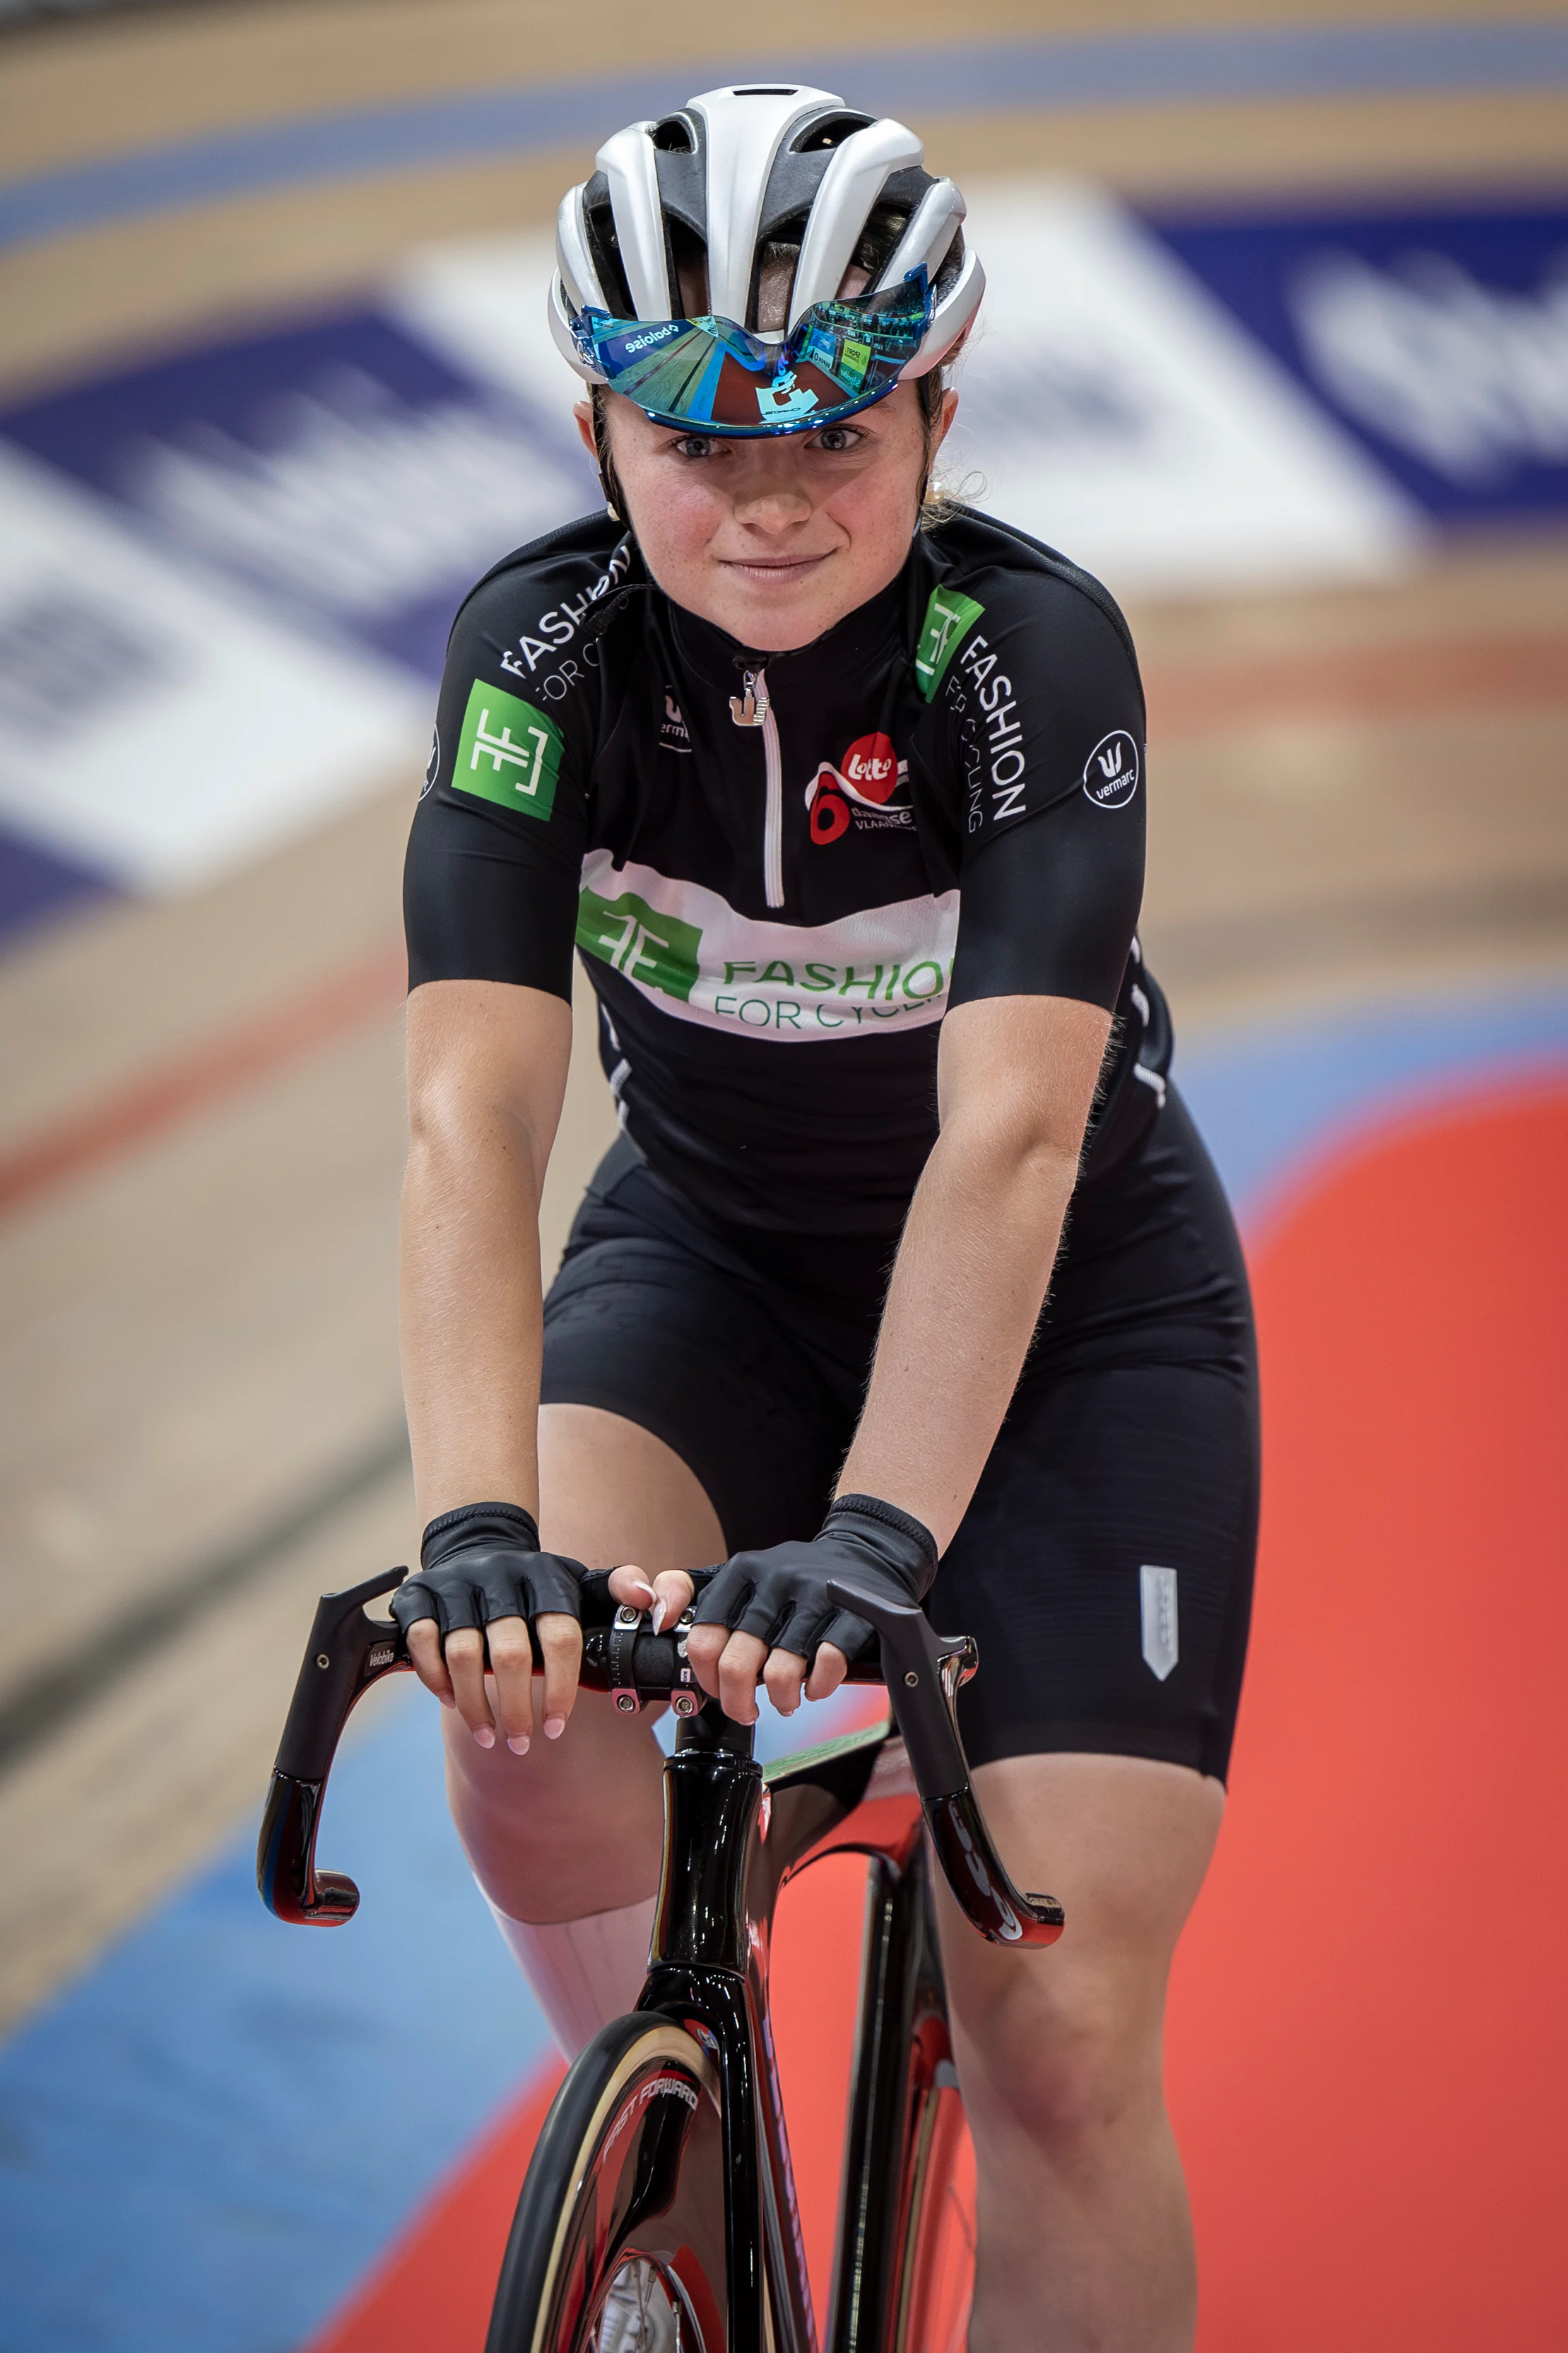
column 751, row 708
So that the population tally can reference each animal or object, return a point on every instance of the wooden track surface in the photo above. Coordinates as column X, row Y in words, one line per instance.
column 201, row 1327
column 92, row 88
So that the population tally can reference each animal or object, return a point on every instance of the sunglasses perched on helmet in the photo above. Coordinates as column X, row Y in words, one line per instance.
column 714, row 377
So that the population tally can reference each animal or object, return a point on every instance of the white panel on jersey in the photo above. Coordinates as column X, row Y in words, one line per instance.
column 691, row 954
column 1118, row 412
column 156, row 728
column 482, row 303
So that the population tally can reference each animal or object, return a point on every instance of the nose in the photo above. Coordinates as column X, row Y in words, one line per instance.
column 772, row 506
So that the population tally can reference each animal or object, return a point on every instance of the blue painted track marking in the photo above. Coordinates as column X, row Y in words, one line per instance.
column 1045, row 77
column 208, row 2139
column 1273, row 1097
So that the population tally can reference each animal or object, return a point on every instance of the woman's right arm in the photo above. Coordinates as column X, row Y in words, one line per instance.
column 490, row 905
column 487, row 1075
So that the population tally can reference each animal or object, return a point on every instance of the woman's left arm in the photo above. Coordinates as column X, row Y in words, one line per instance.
column 1016, row 1077
column 1015, row 1081
column 1051, row 887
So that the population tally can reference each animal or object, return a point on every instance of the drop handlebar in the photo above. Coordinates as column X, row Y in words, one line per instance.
column 349, row 1651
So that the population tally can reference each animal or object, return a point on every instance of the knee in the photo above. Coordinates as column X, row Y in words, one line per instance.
column 565, row 1799
column 1063, row 2065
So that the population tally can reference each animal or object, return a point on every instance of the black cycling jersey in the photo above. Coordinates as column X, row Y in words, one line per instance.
column 781, row 870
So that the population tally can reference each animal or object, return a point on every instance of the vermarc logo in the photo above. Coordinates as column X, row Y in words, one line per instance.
column 1110, row 770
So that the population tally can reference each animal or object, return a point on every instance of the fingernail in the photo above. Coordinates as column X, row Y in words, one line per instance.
column 644, row 1587
column 485, row 1736
column 554, row 1725
column 659, row 1614
column 518, row 1742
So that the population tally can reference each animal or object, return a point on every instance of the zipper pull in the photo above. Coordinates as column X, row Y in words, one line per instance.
column 749, row 707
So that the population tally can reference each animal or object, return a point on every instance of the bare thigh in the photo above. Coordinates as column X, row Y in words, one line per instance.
column 1050, row 2038
column 576, row 1825
column 1085, row 2237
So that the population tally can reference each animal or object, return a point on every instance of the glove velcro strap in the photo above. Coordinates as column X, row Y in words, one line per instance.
column 478, row 1523
column 853, row 1508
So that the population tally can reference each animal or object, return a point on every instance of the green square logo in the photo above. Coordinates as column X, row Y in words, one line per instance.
column 948, row 619
column 509, row 751
column 659, row 950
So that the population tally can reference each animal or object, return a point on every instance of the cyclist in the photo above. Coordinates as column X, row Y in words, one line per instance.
column 839, row 790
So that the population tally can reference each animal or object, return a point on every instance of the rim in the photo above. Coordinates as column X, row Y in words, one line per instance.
column 642, row 2310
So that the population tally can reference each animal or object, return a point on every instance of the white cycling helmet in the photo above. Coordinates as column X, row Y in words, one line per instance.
column 687, row 209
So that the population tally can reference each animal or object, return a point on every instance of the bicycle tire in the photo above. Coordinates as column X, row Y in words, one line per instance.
column 617, row 2244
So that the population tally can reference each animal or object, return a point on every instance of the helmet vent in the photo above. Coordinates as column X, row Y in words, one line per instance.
column 818, row 136
column 767, row 90
column 673, row 136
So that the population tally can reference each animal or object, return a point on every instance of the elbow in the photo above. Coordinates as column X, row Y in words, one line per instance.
column 1047, row 1166
column 455, row 1141
column 1031, row 1156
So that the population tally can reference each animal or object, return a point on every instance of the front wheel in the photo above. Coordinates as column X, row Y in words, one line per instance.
column 617, row 2245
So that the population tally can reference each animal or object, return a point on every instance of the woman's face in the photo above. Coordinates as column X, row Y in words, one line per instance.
column 774, row 540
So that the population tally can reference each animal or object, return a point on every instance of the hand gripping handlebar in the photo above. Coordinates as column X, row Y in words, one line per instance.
column 349, row 1651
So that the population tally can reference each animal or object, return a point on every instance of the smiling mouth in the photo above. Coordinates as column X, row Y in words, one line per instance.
column 774, row 567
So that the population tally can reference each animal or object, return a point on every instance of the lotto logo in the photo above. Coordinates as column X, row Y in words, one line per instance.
column 871, row 766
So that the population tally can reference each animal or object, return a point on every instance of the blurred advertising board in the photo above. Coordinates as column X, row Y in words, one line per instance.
column 227, row 576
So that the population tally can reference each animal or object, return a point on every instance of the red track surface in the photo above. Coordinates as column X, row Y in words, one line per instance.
column 1369, row 2054
column 1368, row 2050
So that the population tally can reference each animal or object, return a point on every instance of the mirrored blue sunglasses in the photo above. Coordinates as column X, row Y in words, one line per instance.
column 711, row 375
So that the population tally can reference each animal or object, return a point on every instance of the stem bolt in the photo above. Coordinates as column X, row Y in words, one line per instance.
column 322, row 1660
column 912, row 1679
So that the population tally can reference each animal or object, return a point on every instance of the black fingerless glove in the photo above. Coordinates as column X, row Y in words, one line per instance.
column 483, row 1562
column 781, row 1595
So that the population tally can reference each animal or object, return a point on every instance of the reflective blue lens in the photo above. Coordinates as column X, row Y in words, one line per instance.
column 712, row 373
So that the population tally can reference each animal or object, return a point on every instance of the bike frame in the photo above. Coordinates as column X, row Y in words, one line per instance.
column 733, row 1836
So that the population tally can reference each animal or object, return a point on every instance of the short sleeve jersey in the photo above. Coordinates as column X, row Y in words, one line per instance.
column 780, row 871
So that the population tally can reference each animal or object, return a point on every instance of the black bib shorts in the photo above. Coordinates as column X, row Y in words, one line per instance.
column 1105, row 1563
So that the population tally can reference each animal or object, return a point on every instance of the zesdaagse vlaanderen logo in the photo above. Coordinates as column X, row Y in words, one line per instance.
column 1110, row 770
column 870, row 776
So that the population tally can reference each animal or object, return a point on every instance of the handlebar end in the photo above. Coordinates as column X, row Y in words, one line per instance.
column 286, row 1876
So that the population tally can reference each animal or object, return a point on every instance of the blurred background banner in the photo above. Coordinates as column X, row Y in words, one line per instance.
column 325, row 494
column 1277, row 343
column 1439, row 338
